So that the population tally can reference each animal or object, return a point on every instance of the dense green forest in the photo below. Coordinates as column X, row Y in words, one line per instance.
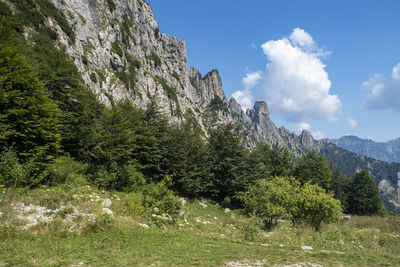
column 53, row 131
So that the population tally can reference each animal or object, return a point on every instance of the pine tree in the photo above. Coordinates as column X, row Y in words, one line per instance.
column 365, row 199
column 227, row 154
column 313, row 167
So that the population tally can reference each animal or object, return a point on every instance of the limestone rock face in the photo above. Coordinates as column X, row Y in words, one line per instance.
column 125, row 41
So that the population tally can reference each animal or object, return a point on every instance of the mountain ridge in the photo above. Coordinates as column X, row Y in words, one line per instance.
column 121, row 54
column 385, row 151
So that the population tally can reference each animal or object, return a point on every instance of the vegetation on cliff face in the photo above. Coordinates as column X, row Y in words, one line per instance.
column 95, row 171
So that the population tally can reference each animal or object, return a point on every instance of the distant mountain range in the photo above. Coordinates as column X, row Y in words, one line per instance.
column 386, row 151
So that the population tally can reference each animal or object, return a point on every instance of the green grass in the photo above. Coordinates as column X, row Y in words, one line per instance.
column 201, row 237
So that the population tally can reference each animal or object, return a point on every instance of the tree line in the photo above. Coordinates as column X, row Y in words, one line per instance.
column 49, row 118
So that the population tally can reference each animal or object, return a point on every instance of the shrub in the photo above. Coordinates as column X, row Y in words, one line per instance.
column 111, row 5
column 161, row 199
column 84, row 60
column 131, row 205
column 93, row 77
column 284, row 198
column 313, row 206
column 271, row 200
column 67, row 170
column 12, row 172
column 252, row 228
column 155, row 58
column 133, row 61
column 116, row 48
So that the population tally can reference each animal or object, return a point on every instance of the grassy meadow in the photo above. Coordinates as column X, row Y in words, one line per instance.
column 74, row 229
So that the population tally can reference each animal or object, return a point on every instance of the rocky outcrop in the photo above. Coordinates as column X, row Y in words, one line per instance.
column 121, row 54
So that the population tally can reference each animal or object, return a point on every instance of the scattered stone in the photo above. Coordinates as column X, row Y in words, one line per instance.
column 107, row 203
column 203, row 205
column 306, row 248
column 227, row 210
column 245, row 263
column 346, row 218
column 183, row 201
column 300, row 264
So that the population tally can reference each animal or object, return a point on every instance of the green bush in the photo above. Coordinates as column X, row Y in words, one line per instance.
column 133, row 61
column 12, row 172
column 131, row 205
column 271, row 200
column 313, row 206
column 116, row 48
column 93, row 77
column 111, row 5
column 67, row 170
column 252, row 228
column 284, row 198
column 155, row 58
column 84, row 60
column 162, row 201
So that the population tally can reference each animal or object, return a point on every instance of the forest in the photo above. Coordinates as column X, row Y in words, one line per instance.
column 53, row 131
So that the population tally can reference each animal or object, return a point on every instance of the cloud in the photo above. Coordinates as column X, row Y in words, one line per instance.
column 251, row 79
column 301, row 126
column 301, row 38
column 296, row 84
column 383, row 95
column 318, row 135
column 352, row 122
column 244, row 97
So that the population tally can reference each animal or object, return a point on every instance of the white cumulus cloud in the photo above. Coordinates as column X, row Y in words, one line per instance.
column 318, row 135
column 301, row 126
column 296, row 83
column 244, row 97
column 301, row 38
column 352, row 122
column 383, row 95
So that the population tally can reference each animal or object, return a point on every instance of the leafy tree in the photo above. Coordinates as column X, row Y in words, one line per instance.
column 285, row 198
column 313, row 206
column 313, row 167
column 29, row 120
column 365, row 199
column 271, row 200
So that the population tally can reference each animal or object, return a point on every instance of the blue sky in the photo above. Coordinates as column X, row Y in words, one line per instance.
column 320, row 55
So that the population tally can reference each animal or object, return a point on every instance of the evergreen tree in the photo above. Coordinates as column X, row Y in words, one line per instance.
column 341, row 186
column 226, row 156
column 259, row 163
column 282, row 161
column 187, row 157
column 313, row 167
column 365, row 199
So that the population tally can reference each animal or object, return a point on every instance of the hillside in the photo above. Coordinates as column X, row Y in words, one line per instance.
column 120, row 53
column 385, row 174
column 386, row 151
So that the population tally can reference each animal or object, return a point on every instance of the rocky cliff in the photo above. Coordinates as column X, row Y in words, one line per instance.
column 121, row 54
